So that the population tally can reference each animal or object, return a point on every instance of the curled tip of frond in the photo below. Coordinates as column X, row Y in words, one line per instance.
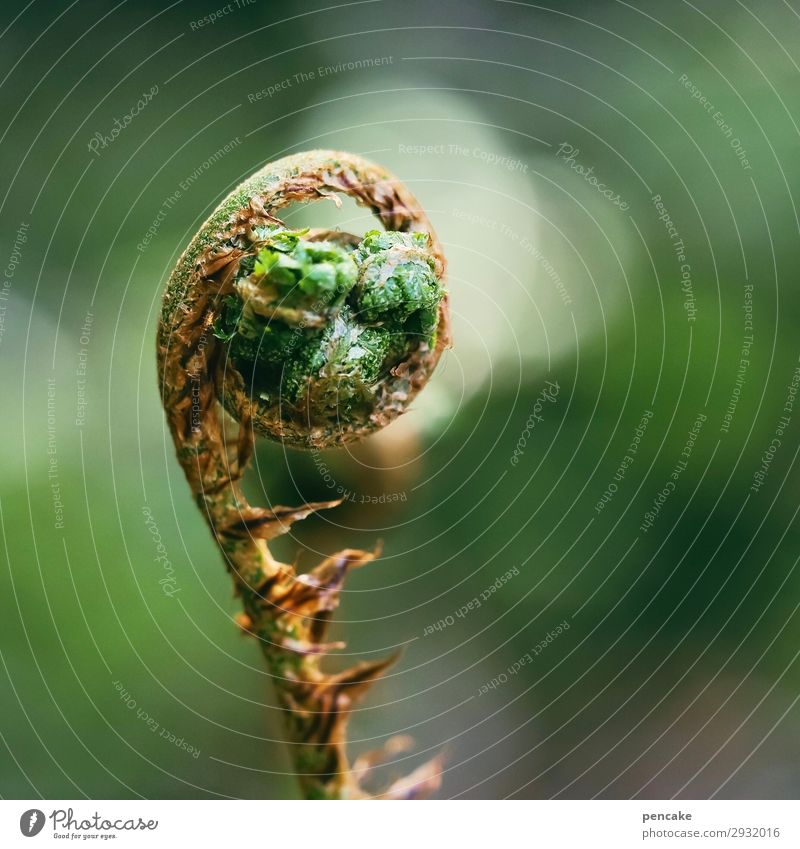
column 310, row 410
column 205, row 396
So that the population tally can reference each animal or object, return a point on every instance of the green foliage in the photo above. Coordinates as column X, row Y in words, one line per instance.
column 321, row 323
column 396, row 277
column 303, row 272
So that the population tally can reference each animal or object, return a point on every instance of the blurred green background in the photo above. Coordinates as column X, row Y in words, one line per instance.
column 678, row 674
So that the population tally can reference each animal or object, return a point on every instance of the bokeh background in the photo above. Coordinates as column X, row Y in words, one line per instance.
column 541, row 139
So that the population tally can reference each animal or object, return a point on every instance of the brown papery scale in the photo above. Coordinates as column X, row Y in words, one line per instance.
column 312, row 338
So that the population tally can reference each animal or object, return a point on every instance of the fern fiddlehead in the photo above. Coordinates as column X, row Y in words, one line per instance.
column 314, row 338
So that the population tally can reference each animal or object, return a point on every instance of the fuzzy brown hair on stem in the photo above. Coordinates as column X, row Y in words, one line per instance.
column 314, row 338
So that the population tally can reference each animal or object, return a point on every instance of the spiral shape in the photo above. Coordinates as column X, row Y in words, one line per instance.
column 316, row 338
